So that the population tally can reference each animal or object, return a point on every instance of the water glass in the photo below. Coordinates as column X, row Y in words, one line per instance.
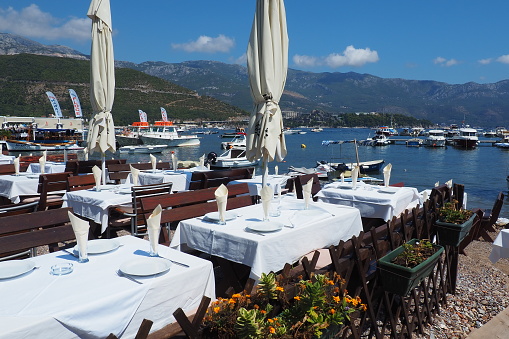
column 275, row 208
column 82, row 254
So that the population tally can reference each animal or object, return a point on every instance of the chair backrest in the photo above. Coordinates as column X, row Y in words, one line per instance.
column 72, row 166
column 51, row 182
column 21, row 208
column 497, row 207
column 201, row 180
column 7, row 169
column 85, row 166
column 301, row 180
column 25, row 231
column 147, row 191
column 80, row 182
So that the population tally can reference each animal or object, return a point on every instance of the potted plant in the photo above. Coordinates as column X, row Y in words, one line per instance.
column 404, row 268
column 453, row 224
column 317, row 308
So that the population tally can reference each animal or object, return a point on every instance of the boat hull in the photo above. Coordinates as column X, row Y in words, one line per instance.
column 465, row 143
column 233, row 163
column 147, row 149
column 170, row 142
column 22, row 146
column 128, row 141
column 435, row 142
column 367, row 166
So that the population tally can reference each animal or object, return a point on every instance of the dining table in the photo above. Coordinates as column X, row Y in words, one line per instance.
column 49, row 167
column 54, row 296
column 277, row 182
column 373, row 201
column 14, row 186
column 267, row 246
column 180, row 178
column 6, row 159
column 95, row 204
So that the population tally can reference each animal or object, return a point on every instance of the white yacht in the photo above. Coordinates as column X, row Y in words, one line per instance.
column 435, row 138
column 164, row 133
column 467, row 138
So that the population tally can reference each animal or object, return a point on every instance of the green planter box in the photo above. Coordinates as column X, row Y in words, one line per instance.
column 453, row 234
column 401, row 280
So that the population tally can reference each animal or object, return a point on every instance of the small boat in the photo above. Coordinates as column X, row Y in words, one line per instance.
column 386, row 130
column 147, row 149
column 502, row 143
column 164, row 133
column 232, row 158
column 239, row 141
column 466, row 139
column 130, row 136
column 367, row 166
column 41, row 145
column 239, row 130
column 381, row 140
column 490, row 134
column 318, row 129
column 414, row 142
column 436, row 138
column 289, row 131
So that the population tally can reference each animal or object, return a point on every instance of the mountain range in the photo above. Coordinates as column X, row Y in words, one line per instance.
column 332, row 93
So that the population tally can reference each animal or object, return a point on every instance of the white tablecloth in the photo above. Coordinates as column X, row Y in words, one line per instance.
column 93, row 301
column 327, row 225
column 180, row 178
column 95, row 205
column 13, row 187
column 51, row 167
column 500, row 247
column 369, row 200
column 6, row 159
column 255, row 184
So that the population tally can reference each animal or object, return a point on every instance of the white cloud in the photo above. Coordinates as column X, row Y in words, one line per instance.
column 444, row 62
column 206, row 44
column 485, row 61
column 33, row 23
column 351, row 56
column 503, row 59
column 241, row 60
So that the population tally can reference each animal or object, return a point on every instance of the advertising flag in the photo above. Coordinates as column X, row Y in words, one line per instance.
column 143, row 116
column 163, row 114
column 76, row 103
column 54, row 103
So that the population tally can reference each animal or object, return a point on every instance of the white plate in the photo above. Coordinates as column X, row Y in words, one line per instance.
column 389, row 190
column 214, row 216
column 145, row 266
column 14, row 268
column 265, row 226
column 98, row 246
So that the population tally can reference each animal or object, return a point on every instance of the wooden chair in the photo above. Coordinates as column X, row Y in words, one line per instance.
column 142, row 333
column 21, row 208
column 119, row 172
column 489, row 219
column 301, row 180
column 85, row 166
column 201, row 180
column 55, row 183
column 80, row 182
column 72, row 166
column 25, row 231
column 7, row 169
column 131, row 216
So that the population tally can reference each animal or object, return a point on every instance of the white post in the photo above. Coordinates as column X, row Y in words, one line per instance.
column 103, row 165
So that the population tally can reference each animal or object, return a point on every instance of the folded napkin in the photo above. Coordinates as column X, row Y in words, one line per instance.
column 387, row 174
column 425, row 196
column 80, row 228
column 135, row 174
column 266, row 194
column 42, row 162
column 97, row 176
column 153, row 228
column 449, row 184
column 437, row 184
column 85, row 153
column 276, row 169
column 342, row 177
column 153, row 161
column 174, row 161
column 221, row 195
column 16, row 164
column 306, row 192
column 354, row 175
column 201, row 162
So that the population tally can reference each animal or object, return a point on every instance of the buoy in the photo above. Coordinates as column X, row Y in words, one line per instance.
column 302, row 146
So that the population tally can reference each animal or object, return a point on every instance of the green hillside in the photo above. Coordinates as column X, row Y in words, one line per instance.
column 25, row 78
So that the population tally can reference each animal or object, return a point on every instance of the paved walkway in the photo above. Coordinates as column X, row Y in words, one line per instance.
column 497, row 327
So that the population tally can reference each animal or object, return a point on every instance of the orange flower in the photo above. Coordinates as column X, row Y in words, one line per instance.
column 336, row 299
column 231, row 301
column 332, row 311
column 255, row 306
column 330, row 282
column 272, row 330
column 364, row 307
column 270, row 321
column 296, row 297
column 217, row 309
column 236, row 295
column 279, row 288
column 263, row 311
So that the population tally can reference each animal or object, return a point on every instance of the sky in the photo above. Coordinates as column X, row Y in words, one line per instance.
column 452, row 41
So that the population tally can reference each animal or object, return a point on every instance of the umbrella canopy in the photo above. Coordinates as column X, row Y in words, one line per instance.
column 267, row 64
column 101, row 133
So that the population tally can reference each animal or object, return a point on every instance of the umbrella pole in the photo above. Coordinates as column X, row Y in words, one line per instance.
column 103, row 169
column 264, row 171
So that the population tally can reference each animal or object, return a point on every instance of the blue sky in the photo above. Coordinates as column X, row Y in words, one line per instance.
column 453, row 41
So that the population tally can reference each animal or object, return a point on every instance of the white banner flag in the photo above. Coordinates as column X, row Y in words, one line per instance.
column 76, row 103
column 163, row 114
column 143, row 116
column 54, row 102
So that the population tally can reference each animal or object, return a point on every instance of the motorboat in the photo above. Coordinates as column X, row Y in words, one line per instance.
column 435, row 138
column 238, row 130
column 502, row 143
column 289, row 131
column 381, row 140
column 164, row 133
column 367, row 166
column 490, row 134
column 146, row 149
column 239, row 141
column 318, row 129
column 130, row 136
column 467, row 138
column 232, row 158
column 386, row 130
column 414, row 142
column 46, row 139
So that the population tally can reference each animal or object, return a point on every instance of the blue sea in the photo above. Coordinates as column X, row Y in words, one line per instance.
column 483, row 170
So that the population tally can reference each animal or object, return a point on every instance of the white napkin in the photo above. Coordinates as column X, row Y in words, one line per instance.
column 80, row 228
column 153, row 228
column 97, row 176
column 201, row 162
column 449, row 184
column 276, row 170
column 354, row 175
column 85, row 153
column 135, row 174
column 266, row 194
column 387, row 174
column 306, row 192
column 174, row 161
column 425, row 196
column 221, row 195
column 16, row 164
column 342, row 177
column 153, row 161
column 437, row 184
column 42, row 162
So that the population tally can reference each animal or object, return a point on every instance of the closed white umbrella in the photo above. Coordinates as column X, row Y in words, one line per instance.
column 101, row 133
column 267, row 64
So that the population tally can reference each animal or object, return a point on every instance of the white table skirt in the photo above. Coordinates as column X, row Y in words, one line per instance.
column 13, row 187
column 55, row 167
column 369, row 200
column 6, row 159
column 93, row 301
column 272, row 251
column 255, row 183
column 95, row 205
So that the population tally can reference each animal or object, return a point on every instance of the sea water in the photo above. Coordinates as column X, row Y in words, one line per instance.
column 483, row 170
